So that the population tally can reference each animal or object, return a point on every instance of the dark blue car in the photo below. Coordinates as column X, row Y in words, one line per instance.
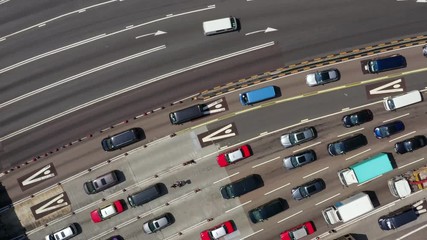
column 389, row 129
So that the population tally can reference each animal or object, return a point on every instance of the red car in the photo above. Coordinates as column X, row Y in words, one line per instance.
column 298, row 232
column 228, row 158
column 106, row 212
column 218, row 231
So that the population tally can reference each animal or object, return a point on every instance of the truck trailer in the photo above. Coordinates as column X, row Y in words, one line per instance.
column 348, row 209
column 365, row 170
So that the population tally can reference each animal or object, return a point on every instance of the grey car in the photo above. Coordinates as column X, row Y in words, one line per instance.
column 298, row 137
column 158, row 223
column 308, row 189
column 299, row 159
column 322, row 77
column 101, row 183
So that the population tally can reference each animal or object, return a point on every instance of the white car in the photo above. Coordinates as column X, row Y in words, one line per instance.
column 158, row 223
column 63, row 234
column 322, row 77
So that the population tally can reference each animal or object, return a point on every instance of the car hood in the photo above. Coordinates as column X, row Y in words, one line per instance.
column 310, row 79
column 222, row 161
column 287, row 163
column 286, row 142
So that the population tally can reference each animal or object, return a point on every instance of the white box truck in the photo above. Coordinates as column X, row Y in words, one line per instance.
column 348, row 209
column 400, row 101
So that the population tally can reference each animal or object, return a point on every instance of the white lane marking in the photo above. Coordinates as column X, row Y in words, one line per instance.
column 241, row 205
column 410, row 163
column 290, row 216
column 267, row 30
column 323, row 169
column 41, row 24
column 391, row 119
column 82, row 74
column 43, row 55
column 222, row 179
column 40, row 56
column 367, row 150
column 4, row 1
column 360, row 129
column 412, row 232
column 287, row 184
column 309, row 146
column 250, row 235
column 157, row 33
column 404, row 135
column 327, row 199
column 265, row 162
column 141, row 84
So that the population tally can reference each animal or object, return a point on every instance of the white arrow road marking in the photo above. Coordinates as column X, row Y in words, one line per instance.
column 380, row 90
column 154, row 34
column 46, row 207
column 213, row 136
column 46, row 173
column 269, row 29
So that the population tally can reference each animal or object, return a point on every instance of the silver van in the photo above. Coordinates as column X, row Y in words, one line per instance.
column 186, row 114
column 145, row 196
column 101, row 183
column 393, row 103
column 221, row 25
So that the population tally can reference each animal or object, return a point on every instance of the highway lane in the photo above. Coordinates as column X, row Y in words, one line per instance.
column 138, row 102
column 154, row 125
column 279, row 121
column 178, row 55
column 274, row 177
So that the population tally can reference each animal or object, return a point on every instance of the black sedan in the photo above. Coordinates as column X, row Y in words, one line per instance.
column 410, row 144
column 357, row 118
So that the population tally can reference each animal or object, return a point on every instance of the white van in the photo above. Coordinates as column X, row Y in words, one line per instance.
column 221, row 25
column 393, row 103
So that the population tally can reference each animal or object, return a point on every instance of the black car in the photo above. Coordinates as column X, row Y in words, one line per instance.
column 398, row 218
column 410, row 144
column 241, row 186
column 347, row 144
column 299, row 159
column 389, row 129
column 122, row 139
column 267, row 210
column 357, row 118
column 308, row 189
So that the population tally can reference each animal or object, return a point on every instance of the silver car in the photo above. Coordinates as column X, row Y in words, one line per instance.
column 298, row 137
column 322, row 77
column 299, row 159
column 158, row 223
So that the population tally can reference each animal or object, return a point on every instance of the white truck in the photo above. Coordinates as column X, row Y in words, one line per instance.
column 403, row 185
column 348, row 209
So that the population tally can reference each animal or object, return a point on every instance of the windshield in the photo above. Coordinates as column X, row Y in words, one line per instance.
column 338, row 147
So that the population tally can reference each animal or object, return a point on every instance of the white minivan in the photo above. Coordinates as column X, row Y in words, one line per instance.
column 393, row 103
column 221, row 25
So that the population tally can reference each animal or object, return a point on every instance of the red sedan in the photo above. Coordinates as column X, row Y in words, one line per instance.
column 228, row 158
column 298, row 232
column 106, row 212
column 218, row 231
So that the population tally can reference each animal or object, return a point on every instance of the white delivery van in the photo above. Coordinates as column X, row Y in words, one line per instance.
column 393, row 103
column 221, row 25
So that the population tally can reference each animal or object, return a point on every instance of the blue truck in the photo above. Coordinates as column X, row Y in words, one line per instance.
column 365, row 170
